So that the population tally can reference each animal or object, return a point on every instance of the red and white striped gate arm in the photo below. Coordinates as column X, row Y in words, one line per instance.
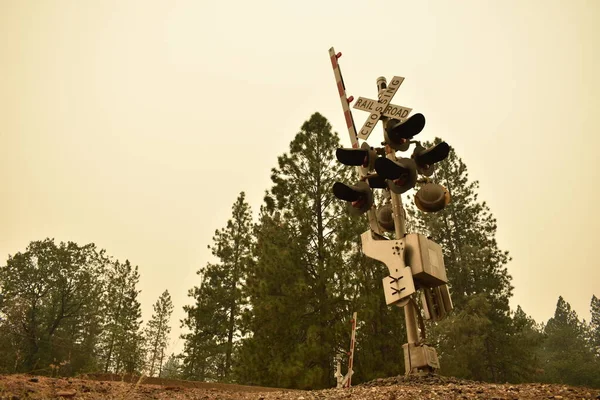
column 351, row 353
column 345, row 100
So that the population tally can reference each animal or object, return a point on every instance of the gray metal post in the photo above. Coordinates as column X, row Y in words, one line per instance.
column 399, row 215
column 410, row 315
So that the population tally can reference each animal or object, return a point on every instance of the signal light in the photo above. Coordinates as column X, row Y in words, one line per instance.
column 432, row 197
column 401, row 175
column 359, row 196
column 377, row 182
column 398, row 133
column 426, row 158
column 363, row 157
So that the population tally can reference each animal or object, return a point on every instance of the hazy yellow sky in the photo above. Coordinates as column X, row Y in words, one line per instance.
column 135, row 124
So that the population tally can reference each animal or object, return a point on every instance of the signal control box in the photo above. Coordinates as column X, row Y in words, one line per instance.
column 425, row 259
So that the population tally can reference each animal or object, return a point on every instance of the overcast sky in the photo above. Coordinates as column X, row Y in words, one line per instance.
column 135, row 124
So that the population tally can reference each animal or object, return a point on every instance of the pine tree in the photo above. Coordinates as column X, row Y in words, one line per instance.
column 595, row 325
column 122, row 339
column 473, row 341
column 525, row 339
column 214, row 321
column 172, row 368
column 303, row 271
column 566, row 355
column 200, row 357
column 277, row 318
column 157, row 332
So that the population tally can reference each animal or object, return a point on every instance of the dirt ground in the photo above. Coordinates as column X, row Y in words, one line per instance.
column 20, row 387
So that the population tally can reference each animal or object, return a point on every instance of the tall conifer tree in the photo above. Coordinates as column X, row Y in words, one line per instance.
column 214, row 321
column 157, row 332
column 278, row 312
column 595, row 325
column 567, row 357
column 123, row 345
column 305, row 271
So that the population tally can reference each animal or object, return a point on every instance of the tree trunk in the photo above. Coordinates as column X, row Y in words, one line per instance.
column 231, row 326
column 155, row 347
column 160, row 365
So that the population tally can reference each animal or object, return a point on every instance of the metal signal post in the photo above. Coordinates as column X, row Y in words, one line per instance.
column 415, row 263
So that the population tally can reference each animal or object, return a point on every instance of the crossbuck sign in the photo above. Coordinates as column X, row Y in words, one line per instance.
column 381, row 108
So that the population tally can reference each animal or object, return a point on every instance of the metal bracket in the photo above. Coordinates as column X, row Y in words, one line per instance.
column 399, row 285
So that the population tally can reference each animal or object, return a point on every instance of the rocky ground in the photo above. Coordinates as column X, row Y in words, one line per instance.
column 20, row 387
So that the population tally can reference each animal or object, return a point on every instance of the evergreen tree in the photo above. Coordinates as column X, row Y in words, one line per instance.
column 595, row 325
column 214, row 321
column 277, row 318
column 172, row 368
column 303, row 272
column 566, row 355
column 525, row 339
column 201, row 352
column 474, row 340
column 157, row 332
column 122, row 339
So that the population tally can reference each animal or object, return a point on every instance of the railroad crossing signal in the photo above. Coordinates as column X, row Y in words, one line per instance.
column 414, row 262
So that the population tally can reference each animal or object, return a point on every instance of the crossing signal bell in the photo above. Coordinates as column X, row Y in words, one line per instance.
column 432, row 197
column 385, row 217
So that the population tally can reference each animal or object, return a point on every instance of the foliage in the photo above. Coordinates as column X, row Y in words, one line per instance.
column 378, row 351
column 302, row 270
column 474, row 341
column 525, row 339
column 274, row 308
column 566, row 355
column 51, row 306
column 122, row 341
column 595, row 326
column 157, row 331
column 310, row 272
column 69, row 309
column 214, row 321
column 172, row 368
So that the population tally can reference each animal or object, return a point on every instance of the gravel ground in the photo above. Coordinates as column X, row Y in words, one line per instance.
column 20, row 387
